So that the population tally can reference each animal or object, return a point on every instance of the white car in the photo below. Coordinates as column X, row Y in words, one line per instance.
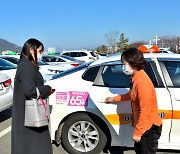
column 46, row 70
column 9, row 68
column 165, row 50
column 44, row 67
column 64, row 61
column 6, row 92
column 84, row 55
column 83, row 123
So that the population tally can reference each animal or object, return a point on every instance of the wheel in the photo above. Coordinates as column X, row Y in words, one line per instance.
column 80, row 134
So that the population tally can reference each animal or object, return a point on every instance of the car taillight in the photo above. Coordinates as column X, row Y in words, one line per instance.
column 7, row 83
column 92, row 58
column 75, row 64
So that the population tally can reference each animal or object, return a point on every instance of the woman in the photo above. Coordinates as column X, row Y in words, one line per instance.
column 146, row 121
column 27, row 140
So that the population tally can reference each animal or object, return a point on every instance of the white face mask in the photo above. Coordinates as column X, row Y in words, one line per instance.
column 39, row 56
column 127, row 70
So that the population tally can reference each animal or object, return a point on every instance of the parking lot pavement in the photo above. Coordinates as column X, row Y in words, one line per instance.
column 112, row 150
column 5, row 140
column 115, row 150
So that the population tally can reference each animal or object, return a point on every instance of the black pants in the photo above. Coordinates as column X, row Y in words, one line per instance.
column 149, row 141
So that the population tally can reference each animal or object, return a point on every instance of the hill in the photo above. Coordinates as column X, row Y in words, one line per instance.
column 5, row 45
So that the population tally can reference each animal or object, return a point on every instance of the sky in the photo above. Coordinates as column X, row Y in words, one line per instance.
column 84, row 23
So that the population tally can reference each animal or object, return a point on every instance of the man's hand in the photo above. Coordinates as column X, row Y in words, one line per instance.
column 136, row 138
column 109, row 100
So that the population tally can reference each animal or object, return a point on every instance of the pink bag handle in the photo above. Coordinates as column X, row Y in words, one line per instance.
column 42, row 101
column 45, row 111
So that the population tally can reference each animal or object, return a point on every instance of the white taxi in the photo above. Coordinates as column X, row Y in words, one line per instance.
column 83, row 123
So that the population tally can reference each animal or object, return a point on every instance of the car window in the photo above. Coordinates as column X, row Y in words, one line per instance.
column 52, row 59
column 150, row 73
column 90, row 74
column 75, row 54
column 83, row 54
column 60, row 60
column 69, row 58
column 93, row 54
column 173, row 69
column 46, row 59
column 113, row 76
column 67, row 54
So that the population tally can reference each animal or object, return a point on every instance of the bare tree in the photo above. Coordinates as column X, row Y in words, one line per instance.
column 111, row 38
column 136, row 44
column 170, row 42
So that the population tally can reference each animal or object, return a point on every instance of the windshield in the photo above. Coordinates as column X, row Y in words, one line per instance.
column 42, row 63
column 11, row 59
column 5, row 65
column 72, row 70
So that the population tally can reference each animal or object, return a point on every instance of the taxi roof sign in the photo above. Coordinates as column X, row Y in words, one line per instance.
column 149, row 48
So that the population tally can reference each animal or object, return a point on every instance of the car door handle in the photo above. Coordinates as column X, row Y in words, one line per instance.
column 177, row 98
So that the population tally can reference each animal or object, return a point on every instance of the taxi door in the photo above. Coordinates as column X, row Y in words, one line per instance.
column 171, row 71
column 111, row 81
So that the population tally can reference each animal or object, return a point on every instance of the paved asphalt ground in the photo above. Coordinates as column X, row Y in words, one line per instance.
column 5, row 140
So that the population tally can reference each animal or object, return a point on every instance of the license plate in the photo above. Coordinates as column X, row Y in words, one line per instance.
column 1, row 86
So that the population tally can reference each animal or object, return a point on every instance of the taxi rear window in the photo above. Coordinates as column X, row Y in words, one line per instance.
column 91, row 73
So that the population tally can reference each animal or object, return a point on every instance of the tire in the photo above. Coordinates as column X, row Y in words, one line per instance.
column 80, row 134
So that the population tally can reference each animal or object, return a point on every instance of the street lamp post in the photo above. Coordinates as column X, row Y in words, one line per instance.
column 178, row 44
column 156, row 40
column 16, row 48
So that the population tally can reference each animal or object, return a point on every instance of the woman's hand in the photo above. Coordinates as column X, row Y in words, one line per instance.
column 136, row 138
column 109, row 100
column 52, row 90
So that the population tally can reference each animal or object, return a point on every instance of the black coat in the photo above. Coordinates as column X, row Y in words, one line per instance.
column 26, row 140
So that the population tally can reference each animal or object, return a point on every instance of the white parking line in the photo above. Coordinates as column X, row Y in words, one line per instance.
column 5, row 131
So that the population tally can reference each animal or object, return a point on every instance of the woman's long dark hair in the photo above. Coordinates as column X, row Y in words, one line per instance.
column 34, row 44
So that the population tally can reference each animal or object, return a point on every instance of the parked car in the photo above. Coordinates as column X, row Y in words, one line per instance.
column 83, row 123
column 45, row 68
column 9, row 68
column 84, row 55
column 64, row 61
column 6, row 92
column 12, row 58
column 165, row 50
column 54, row 69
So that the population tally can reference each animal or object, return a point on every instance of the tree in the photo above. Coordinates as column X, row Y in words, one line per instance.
column 111, row 38
column 167, row 41
column 136, row 44
column 102, row 49
column 123, row 43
